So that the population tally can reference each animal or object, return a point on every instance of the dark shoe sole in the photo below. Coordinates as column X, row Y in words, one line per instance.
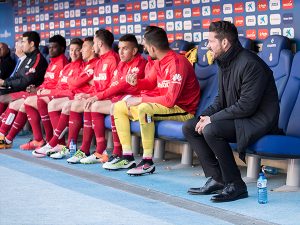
column 204, row 193
column 241, row 196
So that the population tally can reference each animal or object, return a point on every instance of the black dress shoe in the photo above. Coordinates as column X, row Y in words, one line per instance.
column 211, row 187
column 231, row 192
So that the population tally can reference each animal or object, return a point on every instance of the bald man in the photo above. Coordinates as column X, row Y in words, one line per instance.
column 7, row 64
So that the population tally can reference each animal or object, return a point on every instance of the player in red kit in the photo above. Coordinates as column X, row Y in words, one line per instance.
column 78, row 86
column 178, row 99
column 106, row 65
column 131, row 63
column 57, row 47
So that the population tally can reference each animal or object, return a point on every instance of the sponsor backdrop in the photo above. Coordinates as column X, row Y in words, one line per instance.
column 6, row 23
column 182, row 19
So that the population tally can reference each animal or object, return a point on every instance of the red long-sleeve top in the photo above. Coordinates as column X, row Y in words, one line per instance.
column 53, row 70
column 104, row 71
column 84, row 82
column 72, row 69
column 118, row 85
column 176, row 80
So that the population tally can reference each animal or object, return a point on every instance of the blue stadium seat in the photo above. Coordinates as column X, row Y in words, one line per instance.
column 115, row 46
column 246, row 43
column 277, row 54
column 181, row 46
column 45, row 51
column 288, row 145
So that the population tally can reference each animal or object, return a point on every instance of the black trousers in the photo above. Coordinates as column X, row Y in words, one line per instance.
column 213, row 149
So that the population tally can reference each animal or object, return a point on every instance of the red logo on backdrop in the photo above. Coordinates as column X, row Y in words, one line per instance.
column 95, row 11
column 46, row 7
column 116, row 30
column 170, row 37
column 67, row 23
column 20, row 29
column 238, row 7
column 177, row 2
column 116, row 19
column 78, row 32
column 129, row 18
column 262, row 5
column 239, row 21
column 186, row 2
column 51, row 7
column 251, row 34
column 83, row 2
column 90, row 22
column 61, row 15
column 161, row 15
column 47, row 34
column 205, row 23
column 153, row 24
column 28, row 27
column 28, row 19
column 216, row 19
column 137, row 6
column 263, row 34
column 37, row 27
column 77, row 3
column 179, row 36
column 77, row 22
column 178, row 13
column 162, row 25
column 129, row 7
column 196, row 11
column 46, row 26
column 216, row 10
column 145, row 16
column 89, row 11
column 56, row 25
column 42, row 35
column 73, row 32
column 109, row 28
column 102, row 20
column 287, row 4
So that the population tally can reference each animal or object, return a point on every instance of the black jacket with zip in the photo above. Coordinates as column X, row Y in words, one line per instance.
column 247, row 94
column 31, row 71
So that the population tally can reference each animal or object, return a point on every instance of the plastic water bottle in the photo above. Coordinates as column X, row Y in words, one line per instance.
column 72, row 148
column 262, row 192
column 270, row 170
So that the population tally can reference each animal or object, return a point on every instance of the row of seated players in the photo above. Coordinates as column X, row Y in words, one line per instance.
column 270, row 57
column 91, row 88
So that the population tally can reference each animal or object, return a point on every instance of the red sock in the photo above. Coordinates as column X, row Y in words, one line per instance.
column 99, row 129
column 54, row 118
column 34, row 120
column 43, row 110
column 2, row 117
column 62, row 125
column 75, row 124
column 3, row 107
column 9, row 118
column 117, row 144
column 17, row 125
column 87, row 133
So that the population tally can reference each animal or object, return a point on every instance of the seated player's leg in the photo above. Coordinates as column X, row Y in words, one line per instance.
column 97, row 124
